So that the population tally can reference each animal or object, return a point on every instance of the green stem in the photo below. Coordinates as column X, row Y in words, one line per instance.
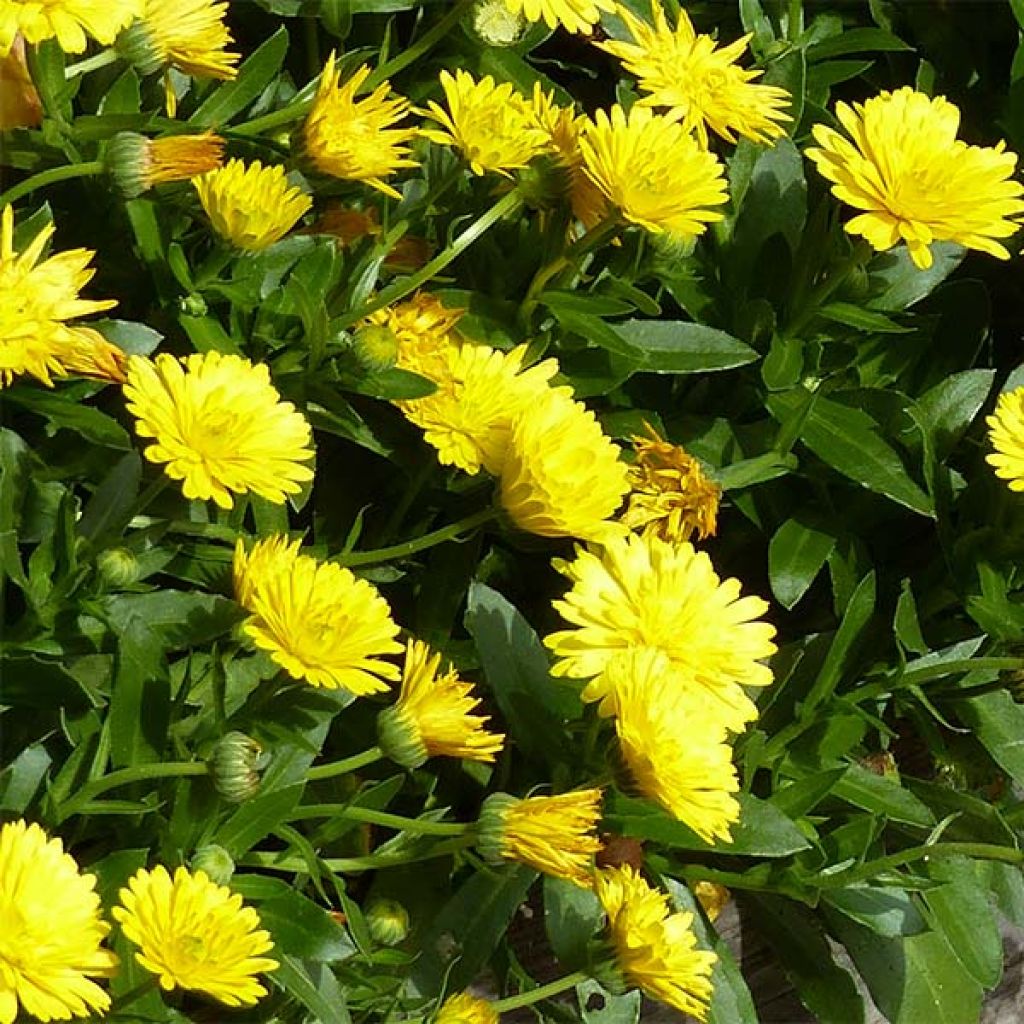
column 93, row 63
column 410, row 547
column 50, row 177
column 132, row 995
column 795, row 21
column 535, row 995
column 979, row 851
column 372, row 862
column 344, row 766
column 371, row 817
column 126, row 776
column 405, row 286
column 298, row 108
column 915, row 677
column 824, row 290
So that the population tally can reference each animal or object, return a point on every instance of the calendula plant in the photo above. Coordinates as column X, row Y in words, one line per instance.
column 508, row 466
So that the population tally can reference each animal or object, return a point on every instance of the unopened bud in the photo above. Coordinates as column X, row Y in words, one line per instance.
column 234, row 767
column 215, row 861
column 387, row 920
column 375, row 346
column 399, row 738
column 118, row 567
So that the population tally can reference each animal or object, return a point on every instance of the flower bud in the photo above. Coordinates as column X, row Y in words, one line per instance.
column 234, row 767
column 118, row 567
column 495, row 25
column 544, row 182
column 399, row 738
column 215, row 861
column 137, row 164
column 375, row 346
column 387, row 920
column 137, row 45
column 490, row 827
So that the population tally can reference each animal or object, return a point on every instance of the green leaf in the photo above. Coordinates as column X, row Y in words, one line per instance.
column 757, row 470
column 129, row 335
column 64, row 412
column 110, row 507
column 678, row 346
column 948, row 409
column 585, row 302
column 856, row 40
column 594, row 329
column 798, row 798
column 323, row 997
column 848, row 314
column 257, row 818
column 997, row 721
column 795, row 556
column 599, row 1006
column 882, row 795
column 34, row 683
column 21, row 779
column 572, row 916
column 140, row 701
column 392, row 384
column 182, row 619
column 896, row 283
column 14, row 472
column 886, row 911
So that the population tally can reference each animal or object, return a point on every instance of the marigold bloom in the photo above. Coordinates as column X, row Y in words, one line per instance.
column 190, row 35
column 644, row 592
column 433, row 716
column 354, row 139
column 572, row 15
column 916, row 182
column 195, row 934
column 220, row 425
column 562, row 475
column 137, row 163
column 655, row 949
column 51, row 930
column 671, row 496
column 251, row 206
column 492, row 125
column 424, row 328
column 36, row 298
column 1006, row 434
column 463, row 1008
column 70, row 22
column 674, row 750
column 651, row 168
column 317, row 620
column 20, row 106
column 703, row 84
column 553, row 834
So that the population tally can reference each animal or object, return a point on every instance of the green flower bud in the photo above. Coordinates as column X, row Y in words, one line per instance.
column 400, row 739
column 137, row 45
column 234, row 767
column 118, row 567
column 490, row 827
column 544, row 182
column 126, row 160
column 495, row 25
column 375, row 346
column 388, row 921
column 215, row 861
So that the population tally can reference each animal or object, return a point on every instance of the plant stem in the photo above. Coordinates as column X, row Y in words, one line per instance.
column 410, row 547
column 535, row 995
column 275, row 862
column 126, row 776
column 133, row 994
column 50, row 177
column 93, row 63
column 371, row 817
column 915, row 677
column 347, row 764
column 405, row 286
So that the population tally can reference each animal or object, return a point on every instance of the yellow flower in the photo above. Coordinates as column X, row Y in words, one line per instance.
column 251, row 206
column 36, row 298
column 572, row 15
column 463, row 1008
column 50, row 930
column 70, row 22
column 492, row 125
column 137, row 163
column 317, row 620
column 655, row 949
column 433, row 716
column 671, row 497
column 189, row 35
column 703, row 84
column 651, row 168
column 562, row 476
column 89, row 354
column 553, row 834
column 914, row 179
column 645, row 592
column 423, row 326
column 1006, row 433
column 675, row 751
column 220, row 425
column 20, row 106
column 354, row 139
column 195, row 934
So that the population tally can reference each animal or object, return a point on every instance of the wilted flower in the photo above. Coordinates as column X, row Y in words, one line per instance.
column 20, row 106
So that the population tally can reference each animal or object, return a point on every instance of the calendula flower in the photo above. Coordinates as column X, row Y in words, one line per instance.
column 433, row 716
column 424, row 328
column 644, row 592
column 251, row 206
column 137, row 164
column 50, row 941
column 1006, row 434
column 572, row 15
column 671, row 496
column 190, row 35
column 654, row 171
column 37, row 298
column 553, row 834
column 194, row 934
column 20, row 106
column 491, row 125
column 914, row 180
column 317, row 620
column 562, row 476
column 688, row 73
column 219, row 425
column 356, row 139
column 70, row 22
column 655, row 949
column 674, row 749
column 89, row 354
column 463, row 1008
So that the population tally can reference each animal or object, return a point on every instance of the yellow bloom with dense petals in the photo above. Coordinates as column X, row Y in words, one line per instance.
column 675, row 751
column 687, row 72
column 553, row 834
column 70, row 22
column 463, row 1008
column 219, row 425
column 433, row 716
column 654, row 171
column 355, row 139
column 137, row 163
column 644, row 592
column 194, row 934
column 190, row 35
column 655, row 949
column 317, row 620
column 423, row 326
column 572, row 15
column 491, row 125
column 562, row 476
column 50, row 930
column 37, row 297
column 1006, row 434
column 671, row 496
column 914, row 180
column 20, row 105
column 251, row 206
